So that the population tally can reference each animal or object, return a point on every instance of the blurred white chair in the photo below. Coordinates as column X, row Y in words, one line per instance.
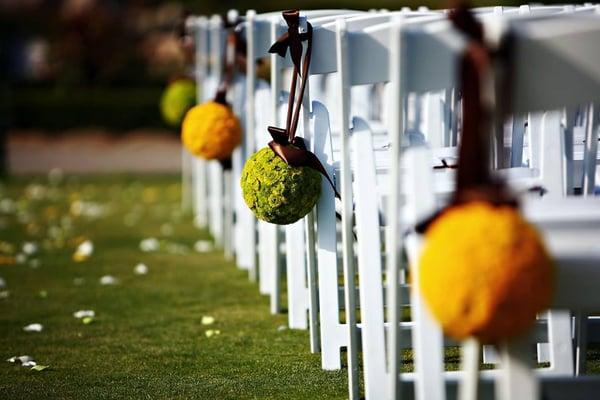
column 562, row 48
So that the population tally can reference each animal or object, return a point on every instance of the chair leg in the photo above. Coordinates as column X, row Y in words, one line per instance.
column 581, row 327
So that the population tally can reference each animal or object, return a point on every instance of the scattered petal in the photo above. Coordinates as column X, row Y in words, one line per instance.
column 88, row 209
column 282, row 328
column 140, row 269
column 29, row 364
column 20, row 359
column 39, row 367
column 166, row 229
column 6, row 247
column 84, row 313
column 21, row 258
column 42, row 294
column 203, row 246
column 177, row 248
column 212, row 332
column 4, row 294
column 7, row 206
column 87, row 320
column 208, row 320
column 55, row 176
column 149, row 244
column 2, row 283
column 84, row 251
column 33, row 328
column 29, row 248
column 78, row 281
column 108, row 280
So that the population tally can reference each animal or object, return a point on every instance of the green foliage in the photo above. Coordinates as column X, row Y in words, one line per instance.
column 276, row 192
column 176, row 100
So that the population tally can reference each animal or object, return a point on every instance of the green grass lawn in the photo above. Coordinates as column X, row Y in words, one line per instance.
column 147, row 339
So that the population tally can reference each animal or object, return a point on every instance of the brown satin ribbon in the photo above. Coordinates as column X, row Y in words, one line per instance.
column 474, row 181
column 285, row 144
column 236, row 46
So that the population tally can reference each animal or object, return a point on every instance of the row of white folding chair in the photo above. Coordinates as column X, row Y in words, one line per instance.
column 332, row 308
column 538, row 96
column 575, row 257
column 331, row 329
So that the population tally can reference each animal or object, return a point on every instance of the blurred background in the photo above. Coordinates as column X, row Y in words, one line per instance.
column 81, row 80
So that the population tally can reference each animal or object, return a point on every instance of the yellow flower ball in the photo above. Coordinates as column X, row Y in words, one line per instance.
column 211, row 131
column 484, row 272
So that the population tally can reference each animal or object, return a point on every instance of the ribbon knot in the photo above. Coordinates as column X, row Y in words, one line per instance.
column 285, row 144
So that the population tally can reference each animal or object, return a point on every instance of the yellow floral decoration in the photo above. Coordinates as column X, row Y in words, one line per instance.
column 211, row 131
column 484, row 272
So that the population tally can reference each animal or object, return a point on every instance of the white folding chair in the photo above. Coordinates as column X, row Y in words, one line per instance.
column 530, row 51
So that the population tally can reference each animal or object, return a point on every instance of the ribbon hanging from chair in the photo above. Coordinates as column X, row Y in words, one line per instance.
column 285, row 144
column 474, row 181
column 235, row 47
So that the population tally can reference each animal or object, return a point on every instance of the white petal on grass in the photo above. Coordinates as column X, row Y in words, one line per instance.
column 7, row 206
column 20, row 359
column 2, row 283
column 29, row 248
column 207, row 320
column 140, row 269
column 282, row 328
column 84, row 251
column 203, row 246
column 55, row 176
column 212, row 332
column 177, row 248
column 166, row 229
column 4, row 294
column 39, row 367
column 29, row 364
column 78, row 281
column 21, row 258
column 84, row 313
column 108, row 280
column 149, row 244
column 33, row 327
column 42, row 294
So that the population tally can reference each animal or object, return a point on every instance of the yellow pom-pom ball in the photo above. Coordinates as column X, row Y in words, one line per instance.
column 211, row 131
column 484, row 272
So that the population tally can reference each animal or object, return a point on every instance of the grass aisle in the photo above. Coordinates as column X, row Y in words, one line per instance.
column 147, row 339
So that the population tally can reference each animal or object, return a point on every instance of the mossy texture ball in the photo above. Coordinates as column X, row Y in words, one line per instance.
column 176, row 100
column 484, row 272
column 276, row 192
column 211, row 131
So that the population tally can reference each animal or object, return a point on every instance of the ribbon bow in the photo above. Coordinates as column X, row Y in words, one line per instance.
column 474, row 181
column 285, row 144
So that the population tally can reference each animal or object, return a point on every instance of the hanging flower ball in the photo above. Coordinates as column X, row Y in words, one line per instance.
column 484, row 272
column 211, row 131
column 276, row 192
column 176, row 99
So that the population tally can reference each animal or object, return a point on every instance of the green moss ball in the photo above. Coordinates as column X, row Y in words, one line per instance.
column 276, row 192
column 176, row 100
